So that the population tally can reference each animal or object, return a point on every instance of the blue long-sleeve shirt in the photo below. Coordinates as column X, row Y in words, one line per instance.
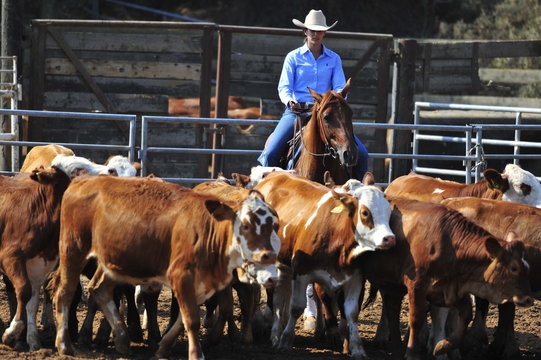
column 301, row 71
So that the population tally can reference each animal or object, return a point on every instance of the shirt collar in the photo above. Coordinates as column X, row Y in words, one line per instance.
column 304, row 50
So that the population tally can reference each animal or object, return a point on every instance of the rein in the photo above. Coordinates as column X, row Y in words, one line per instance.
column 331, row 151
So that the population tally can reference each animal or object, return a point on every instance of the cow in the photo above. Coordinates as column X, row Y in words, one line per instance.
column 443, row 257
column 190, row 106
column 144, row 231
column 322, row 234
column 499, row 218
column 514, row 184
column 29, row 226
column 43, row 156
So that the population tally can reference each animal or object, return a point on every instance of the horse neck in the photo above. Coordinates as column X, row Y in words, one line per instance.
column 308, row 165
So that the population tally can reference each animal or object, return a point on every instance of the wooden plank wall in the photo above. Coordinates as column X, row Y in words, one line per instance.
column 137, row 68
column 256, row 64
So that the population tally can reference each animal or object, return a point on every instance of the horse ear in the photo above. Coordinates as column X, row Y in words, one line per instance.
column 317, row 97
column 344, row 91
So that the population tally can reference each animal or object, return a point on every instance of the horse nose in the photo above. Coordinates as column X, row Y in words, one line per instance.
column 349, row 158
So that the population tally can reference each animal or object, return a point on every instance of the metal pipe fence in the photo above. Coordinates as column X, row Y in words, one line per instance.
column 475, row 144
column 130, row 147
column 472, row 157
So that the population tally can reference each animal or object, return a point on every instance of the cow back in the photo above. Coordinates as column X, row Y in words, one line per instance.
column 42, row 156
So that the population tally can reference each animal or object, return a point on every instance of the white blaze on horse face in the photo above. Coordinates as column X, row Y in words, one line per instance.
column 256, row 218
column 380, row 235
column 524, row 187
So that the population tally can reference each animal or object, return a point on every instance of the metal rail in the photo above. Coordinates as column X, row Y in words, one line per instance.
column 475, row 144
column 130, row 147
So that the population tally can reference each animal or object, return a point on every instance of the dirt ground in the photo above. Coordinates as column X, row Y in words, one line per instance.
column 306, row 347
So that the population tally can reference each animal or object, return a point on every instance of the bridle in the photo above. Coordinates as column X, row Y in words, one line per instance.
column 330, row 150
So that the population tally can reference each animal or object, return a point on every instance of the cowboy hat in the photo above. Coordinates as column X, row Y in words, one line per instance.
column 315, row 21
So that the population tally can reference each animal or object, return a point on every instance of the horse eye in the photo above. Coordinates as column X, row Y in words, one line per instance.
column 327, row 116
column 514, row 269
column 364, row 213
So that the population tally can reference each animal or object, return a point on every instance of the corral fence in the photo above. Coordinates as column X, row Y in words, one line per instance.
column 472, row 159
column 135, row 67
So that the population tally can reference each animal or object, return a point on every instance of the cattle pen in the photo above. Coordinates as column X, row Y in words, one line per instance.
column 101, row 88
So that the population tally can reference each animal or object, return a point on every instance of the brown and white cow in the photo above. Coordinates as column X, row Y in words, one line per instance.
column 443, row 257
column 514, row 184
column 29, row 225
column 191, row 107
column 144, row 231
column 500, row 218
column 42, row 156
column 322, row 234
column 247, row 289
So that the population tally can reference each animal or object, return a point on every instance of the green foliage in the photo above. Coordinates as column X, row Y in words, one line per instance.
column 502, row 20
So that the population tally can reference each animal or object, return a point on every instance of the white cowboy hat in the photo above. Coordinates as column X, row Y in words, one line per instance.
column 315, row 21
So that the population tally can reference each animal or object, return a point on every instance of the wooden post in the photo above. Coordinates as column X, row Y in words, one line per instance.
column 407, row 51
column 384, row 61
column 222, row 92
column 10, row 40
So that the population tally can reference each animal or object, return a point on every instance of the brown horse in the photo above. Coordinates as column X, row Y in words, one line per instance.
column 328, row 142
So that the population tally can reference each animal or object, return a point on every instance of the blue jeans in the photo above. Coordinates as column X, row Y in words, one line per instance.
column 277, row 145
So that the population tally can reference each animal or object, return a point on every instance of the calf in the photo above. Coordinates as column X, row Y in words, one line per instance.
column 443, row 257
column 29, row 225
column 43, row 156
column 499, row 218
column 143, row 231
column 322, row 234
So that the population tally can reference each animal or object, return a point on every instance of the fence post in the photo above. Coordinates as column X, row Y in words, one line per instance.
column 407, row 51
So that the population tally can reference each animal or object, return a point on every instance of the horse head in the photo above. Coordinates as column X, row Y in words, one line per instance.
column 328, row 140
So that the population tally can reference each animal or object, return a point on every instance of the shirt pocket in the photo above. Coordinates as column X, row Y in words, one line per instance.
column 305, row 71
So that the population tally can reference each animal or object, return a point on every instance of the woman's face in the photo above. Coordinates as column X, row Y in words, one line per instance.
column 314, row 38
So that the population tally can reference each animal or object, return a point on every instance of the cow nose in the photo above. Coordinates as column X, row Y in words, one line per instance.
column 523, row 301
column 389, row 241
column 266, row 257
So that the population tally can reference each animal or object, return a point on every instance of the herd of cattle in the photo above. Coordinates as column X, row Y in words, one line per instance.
column 441, row 243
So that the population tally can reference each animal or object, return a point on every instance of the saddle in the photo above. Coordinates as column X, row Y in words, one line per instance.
column 303, row 116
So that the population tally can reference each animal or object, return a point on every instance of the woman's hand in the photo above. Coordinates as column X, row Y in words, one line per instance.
column 294, row 105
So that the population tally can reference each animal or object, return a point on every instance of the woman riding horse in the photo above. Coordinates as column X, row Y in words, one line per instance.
column 310, row 66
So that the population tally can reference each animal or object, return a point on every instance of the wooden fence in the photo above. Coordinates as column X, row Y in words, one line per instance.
column 134, row 67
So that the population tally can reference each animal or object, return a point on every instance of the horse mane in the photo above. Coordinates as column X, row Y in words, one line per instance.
column 308, row 165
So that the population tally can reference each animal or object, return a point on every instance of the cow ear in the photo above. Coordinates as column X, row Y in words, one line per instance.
column 493, row 248
column 136, row 165
column 368, row 178
column 240, row 179
column 516, row 247
column 256, row 194
column 317, row 97
column 496, row 180
column 344, row 91
column 219, row 210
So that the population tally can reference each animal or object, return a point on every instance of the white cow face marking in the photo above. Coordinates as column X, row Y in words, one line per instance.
column 524, row 187
column 255, row 230
column 122, row 165
column 373, row 213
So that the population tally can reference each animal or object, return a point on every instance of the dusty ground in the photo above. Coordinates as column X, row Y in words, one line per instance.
column 528, row 327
